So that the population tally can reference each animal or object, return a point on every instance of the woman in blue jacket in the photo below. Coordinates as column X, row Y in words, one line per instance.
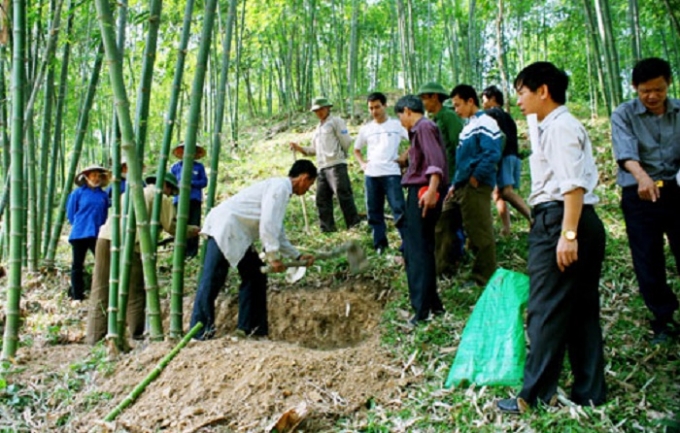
column 86, row 210
column 199, row 180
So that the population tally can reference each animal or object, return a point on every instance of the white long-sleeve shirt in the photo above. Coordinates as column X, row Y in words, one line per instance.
column 256, row 212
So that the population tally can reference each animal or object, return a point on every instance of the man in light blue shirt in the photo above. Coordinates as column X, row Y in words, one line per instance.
column 646, row 139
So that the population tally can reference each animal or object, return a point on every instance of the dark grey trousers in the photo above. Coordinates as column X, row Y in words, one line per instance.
column 335, row 180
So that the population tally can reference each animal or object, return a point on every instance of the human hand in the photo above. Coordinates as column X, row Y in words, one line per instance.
column 363, row 165
column 308, row 258
column 277, row 266
column 449, row 194
column 193, row 231
column 402, row 160
column 474, row 182
column 567, row 253
column 428, row 201
column 647, row 189
column 295, row 147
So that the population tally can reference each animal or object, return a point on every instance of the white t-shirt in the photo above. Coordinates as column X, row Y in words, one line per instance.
column 382, row 142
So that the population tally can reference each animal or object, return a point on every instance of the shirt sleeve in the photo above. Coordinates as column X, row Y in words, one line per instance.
column 342, row 133
column 167, row 217
column 433, row 154
column 490, row 143
column 453, row 126
column 274, row 202
column 72, row 206
column 200, row 180
column 564, row 150
column 624, row 141
column 360, row 142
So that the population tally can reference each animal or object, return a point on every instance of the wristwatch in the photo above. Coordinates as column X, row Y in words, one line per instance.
column 569, row 235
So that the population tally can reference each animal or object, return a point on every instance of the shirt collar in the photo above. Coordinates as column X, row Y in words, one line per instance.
column 673, row 105
column 557, row 112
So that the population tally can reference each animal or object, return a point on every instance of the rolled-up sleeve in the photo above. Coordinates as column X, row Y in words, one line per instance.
column 433, row 156
column 274, row 202
column 564, row 150
column 624, row 141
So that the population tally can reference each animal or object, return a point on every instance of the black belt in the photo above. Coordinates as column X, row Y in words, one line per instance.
column 541, row 207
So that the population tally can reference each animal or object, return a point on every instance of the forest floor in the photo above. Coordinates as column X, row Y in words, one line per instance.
column 339, row 346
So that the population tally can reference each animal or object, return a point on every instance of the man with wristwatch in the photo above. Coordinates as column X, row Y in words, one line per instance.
column 566, row 248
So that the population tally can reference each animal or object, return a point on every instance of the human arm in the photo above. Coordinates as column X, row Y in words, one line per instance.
column 626, row 151
column 305, row 150
column 429, row 199
column 567, row 250
column 199, row 179
column 272, row 235
column 341, row 132
column 72, row 206
column 359, row 144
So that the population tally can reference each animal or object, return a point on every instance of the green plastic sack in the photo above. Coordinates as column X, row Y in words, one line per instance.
column 492, row 349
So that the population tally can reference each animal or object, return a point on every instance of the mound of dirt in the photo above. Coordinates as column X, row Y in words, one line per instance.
column 323, row 351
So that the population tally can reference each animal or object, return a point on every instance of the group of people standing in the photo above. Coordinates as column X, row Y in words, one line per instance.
column 457, row 162
column 91, row 230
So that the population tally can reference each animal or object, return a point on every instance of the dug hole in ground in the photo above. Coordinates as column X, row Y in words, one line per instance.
column 323, row 352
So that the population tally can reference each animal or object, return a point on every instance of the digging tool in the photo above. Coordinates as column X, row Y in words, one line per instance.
column 302, row 200
column 356, row 258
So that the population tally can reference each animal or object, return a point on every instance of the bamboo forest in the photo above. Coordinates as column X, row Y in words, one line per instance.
column 165, row 117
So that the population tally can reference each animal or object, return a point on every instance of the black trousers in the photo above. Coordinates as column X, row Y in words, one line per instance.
column 335, row 180
column 419, row 247
column 564, row 310
column 194, row 220
column 79, row 248
column 252, row 295
column 646, row 224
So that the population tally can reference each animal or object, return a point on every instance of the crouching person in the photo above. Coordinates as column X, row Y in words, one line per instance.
column 232, row 227
column 99, row 298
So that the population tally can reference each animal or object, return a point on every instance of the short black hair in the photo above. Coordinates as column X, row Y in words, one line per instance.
column 539, row 73
column 493, row 92
column 377, row 96
column 465, row 92
column 302, row 166
column 412, row 102
column 651, row 68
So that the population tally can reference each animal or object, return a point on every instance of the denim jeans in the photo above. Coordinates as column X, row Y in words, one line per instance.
column 252, row 296
column 377, row 189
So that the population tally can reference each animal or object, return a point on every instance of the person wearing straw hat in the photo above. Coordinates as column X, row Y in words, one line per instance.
column 86, row 209
column 99, row 297
column 330, row 144
column 450, row 237
column 199, row 180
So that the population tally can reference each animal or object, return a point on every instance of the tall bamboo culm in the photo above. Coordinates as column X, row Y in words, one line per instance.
column 134, row 166
column 187, row 169
column 11, row 335
column 170, row 120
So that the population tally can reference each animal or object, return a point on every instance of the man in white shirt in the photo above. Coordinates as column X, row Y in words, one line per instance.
column 255, row 213
column 381, row 138
column 566, row 248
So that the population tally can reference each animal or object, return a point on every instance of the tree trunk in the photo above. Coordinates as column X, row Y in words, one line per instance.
column 353, row 50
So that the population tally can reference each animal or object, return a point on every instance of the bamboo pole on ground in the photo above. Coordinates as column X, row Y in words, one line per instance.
column 139, row 389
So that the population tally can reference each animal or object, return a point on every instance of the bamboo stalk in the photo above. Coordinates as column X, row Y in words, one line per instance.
column 139, row 389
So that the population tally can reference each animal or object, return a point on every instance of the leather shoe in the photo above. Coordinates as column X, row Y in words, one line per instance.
column 512, row 405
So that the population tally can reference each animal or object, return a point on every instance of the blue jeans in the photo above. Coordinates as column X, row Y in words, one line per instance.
column 252, row 294
column 377, row 189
